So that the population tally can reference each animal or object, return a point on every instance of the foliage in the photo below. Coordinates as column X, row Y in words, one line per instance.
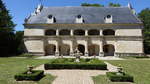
column 103, row 79
column 114, row 5
column 94, row 5
column 119, row 78
column 20, row 48
column 71, row 64
column 144, row 15
column 34, row 76
column 7, row 39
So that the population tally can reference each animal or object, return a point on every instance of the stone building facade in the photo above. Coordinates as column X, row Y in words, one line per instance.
column 100, row 31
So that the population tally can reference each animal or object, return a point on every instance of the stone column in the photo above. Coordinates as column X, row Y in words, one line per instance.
column 71, row 32
column 86, row 32
column 57, row 32
column 71, row 48
column 101, row 32
column 101, row 53
column 57, row 49
column 86, row 49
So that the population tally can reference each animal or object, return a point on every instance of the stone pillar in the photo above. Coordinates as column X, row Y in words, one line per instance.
column 101, row 32
column 101, row 53
column 57, row 32
column 71, row 32
column 86, row 32
column 86, row 49
column 71, row 48
column 57, row 49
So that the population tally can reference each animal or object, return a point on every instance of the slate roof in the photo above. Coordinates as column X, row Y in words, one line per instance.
column 91, row 15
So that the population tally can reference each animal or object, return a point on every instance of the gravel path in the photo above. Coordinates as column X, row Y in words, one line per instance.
column 76, row 76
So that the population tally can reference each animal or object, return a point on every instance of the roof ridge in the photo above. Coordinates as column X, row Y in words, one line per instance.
column 86, row 6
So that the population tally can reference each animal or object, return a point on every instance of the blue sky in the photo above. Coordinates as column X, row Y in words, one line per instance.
column 20, row 9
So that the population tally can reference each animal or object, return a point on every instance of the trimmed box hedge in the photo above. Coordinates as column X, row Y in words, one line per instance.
column 34, row 76
column 94, row 64
column 119, row 78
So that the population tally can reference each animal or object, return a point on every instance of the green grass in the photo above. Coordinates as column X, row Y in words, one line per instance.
column 102, row 79
column 11, row 66
column 139, row 69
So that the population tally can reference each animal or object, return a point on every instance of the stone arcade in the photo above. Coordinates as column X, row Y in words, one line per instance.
column 100, row 31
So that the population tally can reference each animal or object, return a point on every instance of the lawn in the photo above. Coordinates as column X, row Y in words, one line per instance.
column 10, row 66
column 140, row 69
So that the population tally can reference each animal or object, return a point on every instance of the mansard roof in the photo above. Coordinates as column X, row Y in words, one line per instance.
column 91, row 15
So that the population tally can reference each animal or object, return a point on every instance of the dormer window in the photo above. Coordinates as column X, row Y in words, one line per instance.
column 50, row 19
column 50, row 16
column 79, row 19
column 108, row 16
column 79, row 16
column 108, row 19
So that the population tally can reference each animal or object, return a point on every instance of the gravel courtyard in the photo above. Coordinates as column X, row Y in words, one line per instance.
column 76, row 76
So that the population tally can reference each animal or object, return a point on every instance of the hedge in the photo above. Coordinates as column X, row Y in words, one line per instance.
column 70, row 64
column 119, row 78
column 76, row 66
column 35, row 76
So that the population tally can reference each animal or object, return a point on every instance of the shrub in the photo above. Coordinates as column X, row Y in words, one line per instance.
column 70, row 64
column 34, row 76
column 119, row 78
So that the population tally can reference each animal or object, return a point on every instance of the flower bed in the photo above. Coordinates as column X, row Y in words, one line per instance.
column 34, row 76
column 119, row 78
column 65, row 63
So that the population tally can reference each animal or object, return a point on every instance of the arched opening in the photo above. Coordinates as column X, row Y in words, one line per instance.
column 50, row 49
column 93, row 32
column 65, row 50
column 108, row 32
column 79, row 32
column 108, row 50
column 64, row 32
column 81, row 48
column 50, row 32
column 93, row 50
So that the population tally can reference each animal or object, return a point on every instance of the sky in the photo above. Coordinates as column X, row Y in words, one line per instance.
column 20, row 9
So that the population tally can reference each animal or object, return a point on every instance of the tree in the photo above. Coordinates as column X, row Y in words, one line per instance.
column 7, row 36
column 94, row 5
column 114, row 5
column 19, row 42
column 144, row 15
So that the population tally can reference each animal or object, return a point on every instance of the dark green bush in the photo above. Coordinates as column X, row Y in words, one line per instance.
column 35, row 76
column 119, row 78
column 70, row 64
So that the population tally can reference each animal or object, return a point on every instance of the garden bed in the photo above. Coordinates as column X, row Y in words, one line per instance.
column 119, row 78
column 34, row 76
column 68, row 63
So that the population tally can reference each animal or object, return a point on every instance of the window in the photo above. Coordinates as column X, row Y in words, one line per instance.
column 50, row 16
column 108, row 32
column 79, row 16
column 79, row 32
column 79, row 19
column 108, row 16
column 64, row 32
column 50, row 32
column 108, row 19
column 93, row 32
column 51, row 19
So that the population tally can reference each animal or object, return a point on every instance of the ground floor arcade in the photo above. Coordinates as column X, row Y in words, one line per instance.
column 88, row 46
column 86, row 50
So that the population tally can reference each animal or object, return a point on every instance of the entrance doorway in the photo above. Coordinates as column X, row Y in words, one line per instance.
column 81, row 48
column 50, row 49
column 108, row 50
column 64, row 50
column 93, row 50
